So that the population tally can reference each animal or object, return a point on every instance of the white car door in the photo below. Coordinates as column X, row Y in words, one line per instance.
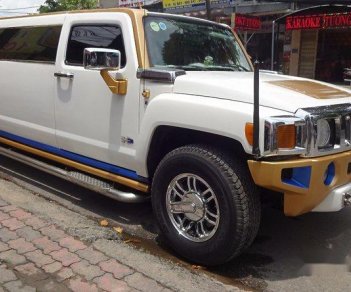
column 93, row 125
column 28, row 50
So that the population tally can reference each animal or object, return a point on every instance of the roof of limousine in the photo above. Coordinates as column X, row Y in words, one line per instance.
column 129, row 11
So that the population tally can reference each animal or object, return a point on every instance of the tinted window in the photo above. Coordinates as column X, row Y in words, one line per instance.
column 91, row 36
column 29, row 43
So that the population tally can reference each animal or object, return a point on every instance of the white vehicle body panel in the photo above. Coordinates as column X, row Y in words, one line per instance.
column 90, row 120
column 27, row 92
column 197, row 113
column 238, row 86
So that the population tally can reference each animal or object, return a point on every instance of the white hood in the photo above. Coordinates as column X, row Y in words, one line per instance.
column 276, row 91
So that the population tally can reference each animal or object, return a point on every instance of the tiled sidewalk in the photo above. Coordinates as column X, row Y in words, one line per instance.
column 36, row 255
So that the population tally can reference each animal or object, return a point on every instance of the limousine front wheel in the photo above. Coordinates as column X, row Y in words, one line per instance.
column 205, row 204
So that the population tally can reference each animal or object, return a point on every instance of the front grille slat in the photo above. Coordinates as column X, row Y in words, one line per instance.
column 339, row 133
column 347, row 130
column 339, row 117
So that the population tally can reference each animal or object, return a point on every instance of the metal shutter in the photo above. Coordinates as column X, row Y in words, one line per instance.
column 308, row 51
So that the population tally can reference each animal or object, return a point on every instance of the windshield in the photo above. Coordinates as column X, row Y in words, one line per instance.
column 189, row 44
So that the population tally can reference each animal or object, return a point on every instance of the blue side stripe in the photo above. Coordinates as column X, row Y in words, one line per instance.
column 75, row 157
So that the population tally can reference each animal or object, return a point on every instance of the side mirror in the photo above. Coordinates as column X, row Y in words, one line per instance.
column 101, row 59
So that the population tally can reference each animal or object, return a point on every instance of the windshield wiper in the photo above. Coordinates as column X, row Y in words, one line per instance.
column 227, row 67
column 239, row 67
column 183, row 67
column 202, row 67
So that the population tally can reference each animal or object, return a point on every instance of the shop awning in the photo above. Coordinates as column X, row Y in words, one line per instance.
column 316, row 10
column 316, row 17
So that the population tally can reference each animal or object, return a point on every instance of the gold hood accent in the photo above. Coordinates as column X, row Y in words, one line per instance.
column 311, row 88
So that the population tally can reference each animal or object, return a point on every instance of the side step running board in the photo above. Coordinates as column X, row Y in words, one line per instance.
column 76, row 177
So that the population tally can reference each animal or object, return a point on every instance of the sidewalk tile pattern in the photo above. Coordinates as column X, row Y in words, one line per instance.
column 36, row 255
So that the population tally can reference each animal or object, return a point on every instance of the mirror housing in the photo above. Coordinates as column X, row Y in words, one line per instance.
column 101, row 59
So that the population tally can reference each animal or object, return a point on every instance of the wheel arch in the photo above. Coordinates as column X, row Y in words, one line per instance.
column 167, row 138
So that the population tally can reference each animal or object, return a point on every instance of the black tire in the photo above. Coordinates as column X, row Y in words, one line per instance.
column 237, row 197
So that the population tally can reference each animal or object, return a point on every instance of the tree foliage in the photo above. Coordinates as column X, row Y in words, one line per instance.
column 66, row 5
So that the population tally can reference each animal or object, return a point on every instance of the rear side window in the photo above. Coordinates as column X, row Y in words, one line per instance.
column 94, row 36
column 38, row 44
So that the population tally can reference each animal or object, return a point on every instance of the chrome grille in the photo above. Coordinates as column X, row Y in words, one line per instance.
column 339, row 116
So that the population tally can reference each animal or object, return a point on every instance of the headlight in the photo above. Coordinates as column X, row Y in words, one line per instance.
column 323, row 133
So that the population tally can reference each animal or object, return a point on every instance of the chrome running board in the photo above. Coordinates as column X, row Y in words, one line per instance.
column 79, row 178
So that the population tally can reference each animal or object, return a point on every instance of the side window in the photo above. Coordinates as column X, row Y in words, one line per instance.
column 93, row 36
column 38, row 44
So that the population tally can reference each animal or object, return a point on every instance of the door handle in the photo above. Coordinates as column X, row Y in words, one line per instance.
column 64, row 75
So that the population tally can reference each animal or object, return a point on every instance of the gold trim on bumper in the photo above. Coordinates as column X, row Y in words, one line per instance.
column 298, row 200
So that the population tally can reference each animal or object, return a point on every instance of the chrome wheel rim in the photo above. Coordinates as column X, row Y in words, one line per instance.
column 192, row 207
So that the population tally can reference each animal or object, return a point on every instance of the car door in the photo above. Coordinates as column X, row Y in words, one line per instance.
column 28, row 49
column 93, row 125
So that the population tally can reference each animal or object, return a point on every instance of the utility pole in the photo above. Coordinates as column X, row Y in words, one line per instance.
column 208, row 9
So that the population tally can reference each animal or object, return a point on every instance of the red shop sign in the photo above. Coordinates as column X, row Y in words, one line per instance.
column 244, row 22
column 318, row 21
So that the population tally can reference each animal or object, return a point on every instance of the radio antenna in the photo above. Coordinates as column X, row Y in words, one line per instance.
column 144, row 54
column 256, row 112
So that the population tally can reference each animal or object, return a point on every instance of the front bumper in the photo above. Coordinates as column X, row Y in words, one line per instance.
column 314, row 179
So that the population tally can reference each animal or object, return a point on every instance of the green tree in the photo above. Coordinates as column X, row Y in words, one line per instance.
column 66, row 5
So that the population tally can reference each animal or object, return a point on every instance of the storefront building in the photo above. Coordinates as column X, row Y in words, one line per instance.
column 314, row 43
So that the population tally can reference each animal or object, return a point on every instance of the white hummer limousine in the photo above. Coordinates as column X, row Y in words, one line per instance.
column 136, row 104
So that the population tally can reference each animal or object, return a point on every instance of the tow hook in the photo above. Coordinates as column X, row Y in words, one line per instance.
column 347, row 199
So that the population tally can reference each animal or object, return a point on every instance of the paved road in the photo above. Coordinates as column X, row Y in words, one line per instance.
column 308, row 253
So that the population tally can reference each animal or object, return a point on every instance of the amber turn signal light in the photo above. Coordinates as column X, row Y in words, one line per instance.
column 286, row 136
column 249, row 133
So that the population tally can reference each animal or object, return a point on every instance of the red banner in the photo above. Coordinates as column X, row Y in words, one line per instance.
column 244, row 22
column 319, row 21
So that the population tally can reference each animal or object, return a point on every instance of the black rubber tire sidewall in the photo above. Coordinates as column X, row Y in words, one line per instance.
column 228, row 238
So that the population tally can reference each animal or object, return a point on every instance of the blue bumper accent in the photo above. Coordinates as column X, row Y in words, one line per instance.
column 299, row 177
column 75, row 157
column 329, row 174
